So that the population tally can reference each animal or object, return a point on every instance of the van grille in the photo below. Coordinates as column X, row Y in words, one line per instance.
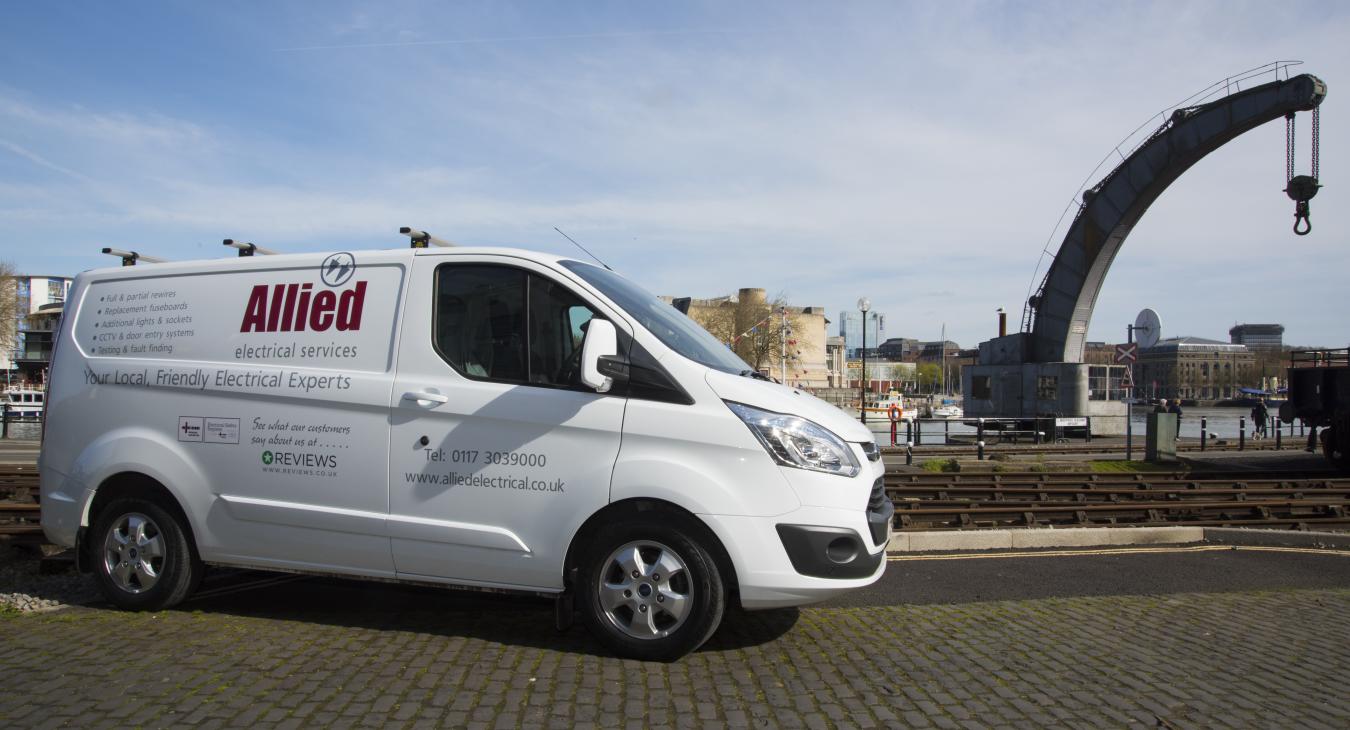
column 880, row 512
column 878, row 496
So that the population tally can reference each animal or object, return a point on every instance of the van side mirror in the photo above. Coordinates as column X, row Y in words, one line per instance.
column 601, row 344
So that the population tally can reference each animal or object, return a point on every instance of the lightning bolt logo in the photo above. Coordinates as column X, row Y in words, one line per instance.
column 337, row 269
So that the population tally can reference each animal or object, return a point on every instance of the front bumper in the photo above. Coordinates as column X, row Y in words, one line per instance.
column 765, row 571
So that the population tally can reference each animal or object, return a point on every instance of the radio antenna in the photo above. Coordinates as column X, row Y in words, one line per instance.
column 583, row 248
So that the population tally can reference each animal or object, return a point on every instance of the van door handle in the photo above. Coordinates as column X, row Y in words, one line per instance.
column 422, row 396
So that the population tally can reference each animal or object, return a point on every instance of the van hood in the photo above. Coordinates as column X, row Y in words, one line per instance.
column 782, row 399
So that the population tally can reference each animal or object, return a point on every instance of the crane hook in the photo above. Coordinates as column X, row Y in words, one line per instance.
column 1301, row 189
column 1301, row 218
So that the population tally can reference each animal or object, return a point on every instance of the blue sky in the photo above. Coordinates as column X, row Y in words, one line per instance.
column 916, row 153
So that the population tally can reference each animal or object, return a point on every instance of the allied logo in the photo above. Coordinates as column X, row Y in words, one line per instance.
column 337, row 269
column 297, row 307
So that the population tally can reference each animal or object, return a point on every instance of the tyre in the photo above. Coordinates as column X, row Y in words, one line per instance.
column 650, row 590
column 1338, row 457
column 142, row 558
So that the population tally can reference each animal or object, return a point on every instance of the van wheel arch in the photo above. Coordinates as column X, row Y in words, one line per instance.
column 642, row 507
column 134, row 485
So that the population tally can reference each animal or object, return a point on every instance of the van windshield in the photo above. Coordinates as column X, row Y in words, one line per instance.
column 678, row 332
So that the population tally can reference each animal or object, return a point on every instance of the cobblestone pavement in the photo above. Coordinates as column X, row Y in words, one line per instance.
column 1242, row 659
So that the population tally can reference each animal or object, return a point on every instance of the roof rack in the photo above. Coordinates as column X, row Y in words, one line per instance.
column 130, row 258
column 248, row 249
column 421, row 239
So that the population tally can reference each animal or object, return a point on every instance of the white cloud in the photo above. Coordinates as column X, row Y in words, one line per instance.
column 919, row 154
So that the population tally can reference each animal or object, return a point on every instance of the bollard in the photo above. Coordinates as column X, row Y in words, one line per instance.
column 979, row 450
column 1087, row 431
column 1040, row 437
column 918, row 431
column 1204, row 432
column 909, row 454
column 4, row 419
column 909, row 431
column 1242, row 433
column 979, row 432
column 1277, row 436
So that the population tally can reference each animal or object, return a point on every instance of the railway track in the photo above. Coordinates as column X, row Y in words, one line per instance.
column 1096, row 447
column 984, row 501
column 19, row 510
column 969, row 501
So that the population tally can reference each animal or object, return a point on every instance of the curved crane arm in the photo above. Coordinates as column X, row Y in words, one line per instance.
column 1063, row 305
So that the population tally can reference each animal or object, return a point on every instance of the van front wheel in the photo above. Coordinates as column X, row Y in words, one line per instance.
column 142, row 559
column 650, row 591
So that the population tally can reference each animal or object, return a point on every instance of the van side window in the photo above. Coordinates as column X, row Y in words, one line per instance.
column 504, row 324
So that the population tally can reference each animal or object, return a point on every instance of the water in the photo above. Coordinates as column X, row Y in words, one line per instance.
column 25, row 430
column 1222, row 422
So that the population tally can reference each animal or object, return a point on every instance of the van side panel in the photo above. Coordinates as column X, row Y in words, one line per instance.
column 255, row 390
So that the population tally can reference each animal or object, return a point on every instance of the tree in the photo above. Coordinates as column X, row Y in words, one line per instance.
column 903, row 375
column 752, row 326
column 928, row 374
column 9, row 310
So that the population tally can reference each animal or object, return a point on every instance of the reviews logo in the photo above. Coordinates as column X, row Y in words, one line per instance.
column 267, row 457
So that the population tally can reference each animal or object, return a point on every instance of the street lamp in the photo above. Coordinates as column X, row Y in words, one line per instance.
column 864, row 304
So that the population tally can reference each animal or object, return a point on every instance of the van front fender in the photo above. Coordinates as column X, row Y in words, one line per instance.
column 739, row 487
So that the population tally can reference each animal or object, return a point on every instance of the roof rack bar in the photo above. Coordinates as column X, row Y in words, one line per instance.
column 248, row 249
column 129, row 258
column 421, row 239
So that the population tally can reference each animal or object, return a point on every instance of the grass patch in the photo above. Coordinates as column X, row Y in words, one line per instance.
column 1118, row 466
column 941, row 465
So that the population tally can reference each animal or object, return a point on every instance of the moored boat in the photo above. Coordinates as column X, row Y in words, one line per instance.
column 24, row 403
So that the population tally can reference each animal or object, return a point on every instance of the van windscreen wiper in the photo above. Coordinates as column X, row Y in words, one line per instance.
column 755, row 374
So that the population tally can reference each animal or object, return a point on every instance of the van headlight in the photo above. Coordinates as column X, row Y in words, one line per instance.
column 797, row 442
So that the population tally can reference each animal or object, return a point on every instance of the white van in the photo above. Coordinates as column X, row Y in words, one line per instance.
column 476, row 417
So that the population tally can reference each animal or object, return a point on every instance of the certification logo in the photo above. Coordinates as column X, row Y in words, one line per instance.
column 189, row 428
column 337, row 269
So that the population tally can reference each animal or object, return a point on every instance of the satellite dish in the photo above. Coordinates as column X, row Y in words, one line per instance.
column 1147, row 328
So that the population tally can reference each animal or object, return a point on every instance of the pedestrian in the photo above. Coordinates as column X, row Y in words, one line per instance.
column 1176, row 408
column 1312, row 436
column 1259, row 418
column 1161, row 407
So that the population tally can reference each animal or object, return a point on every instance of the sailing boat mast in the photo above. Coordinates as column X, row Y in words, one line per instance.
column 942, row 378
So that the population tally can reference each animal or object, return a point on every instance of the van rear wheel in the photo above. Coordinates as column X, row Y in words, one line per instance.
column 142, row 558
column 650, row 591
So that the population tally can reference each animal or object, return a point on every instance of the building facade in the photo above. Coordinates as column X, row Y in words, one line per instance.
column 1258, row 336
column 28, row 337
column 905, row 349
column 851, row 329
column 883, row 376
column 748, row 313
column 834, row 362
column 1194, row 368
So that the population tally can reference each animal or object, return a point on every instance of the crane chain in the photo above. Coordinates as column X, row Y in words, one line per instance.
column 1301, row 188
